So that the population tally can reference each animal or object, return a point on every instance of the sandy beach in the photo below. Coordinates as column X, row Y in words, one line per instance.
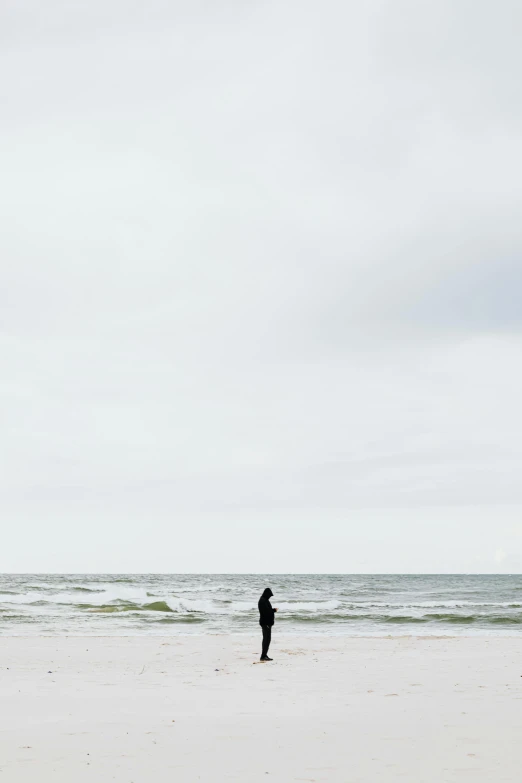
column 135, row 710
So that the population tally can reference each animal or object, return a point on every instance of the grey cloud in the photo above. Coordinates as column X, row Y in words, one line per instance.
column 258, row 257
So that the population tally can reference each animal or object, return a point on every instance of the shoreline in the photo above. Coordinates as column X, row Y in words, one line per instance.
column 479, row 634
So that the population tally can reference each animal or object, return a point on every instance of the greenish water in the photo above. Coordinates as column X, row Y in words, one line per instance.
column 327, row 604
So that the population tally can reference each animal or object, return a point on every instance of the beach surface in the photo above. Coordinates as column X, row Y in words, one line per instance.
column 158, row 709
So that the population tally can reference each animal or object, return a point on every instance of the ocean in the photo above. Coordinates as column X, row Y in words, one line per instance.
column 170, row 604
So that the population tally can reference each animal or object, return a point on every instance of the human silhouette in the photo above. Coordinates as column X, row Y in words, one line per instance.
column 266, row 621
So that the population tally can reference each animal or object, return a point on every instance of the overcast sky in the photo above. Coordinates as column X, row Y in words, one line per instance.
column 261, row 298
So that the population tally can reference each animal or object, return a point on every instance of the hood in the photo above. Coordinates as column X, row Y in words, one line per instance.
column 267, row 593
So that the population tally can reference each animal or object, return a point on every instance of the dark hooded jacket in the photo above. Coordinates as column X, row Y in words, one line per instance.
column 266, row 613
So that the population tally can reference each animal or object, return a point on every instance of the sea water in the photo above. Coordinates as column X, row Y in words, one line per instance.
column 169, row 604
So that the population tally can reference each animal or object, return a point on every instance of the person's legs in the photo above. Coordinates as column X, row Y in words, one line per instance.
column 264, row 646
column 268, row 640
column 267, row 637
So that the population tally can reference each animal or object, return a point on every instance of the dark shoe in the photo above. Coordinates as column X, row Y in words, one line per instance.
column 267, row 659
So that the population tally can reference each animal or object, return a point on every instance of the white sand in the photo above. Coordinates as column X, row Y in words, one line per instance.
column 151, row 710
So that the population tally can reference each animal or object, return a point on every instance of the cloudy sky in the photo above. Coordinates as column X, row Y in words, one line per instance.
column 261, row 295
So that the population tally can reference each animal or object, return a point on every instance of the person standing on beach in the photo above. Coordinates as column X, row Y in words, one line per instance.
column 266, row 621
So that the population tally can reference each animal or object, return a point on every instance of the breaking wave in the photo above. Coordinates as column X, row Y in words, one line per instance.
column 362, row 605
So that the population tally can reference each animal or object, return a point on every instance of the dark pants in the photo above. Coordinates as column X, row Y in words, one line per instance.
column 267, row 638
